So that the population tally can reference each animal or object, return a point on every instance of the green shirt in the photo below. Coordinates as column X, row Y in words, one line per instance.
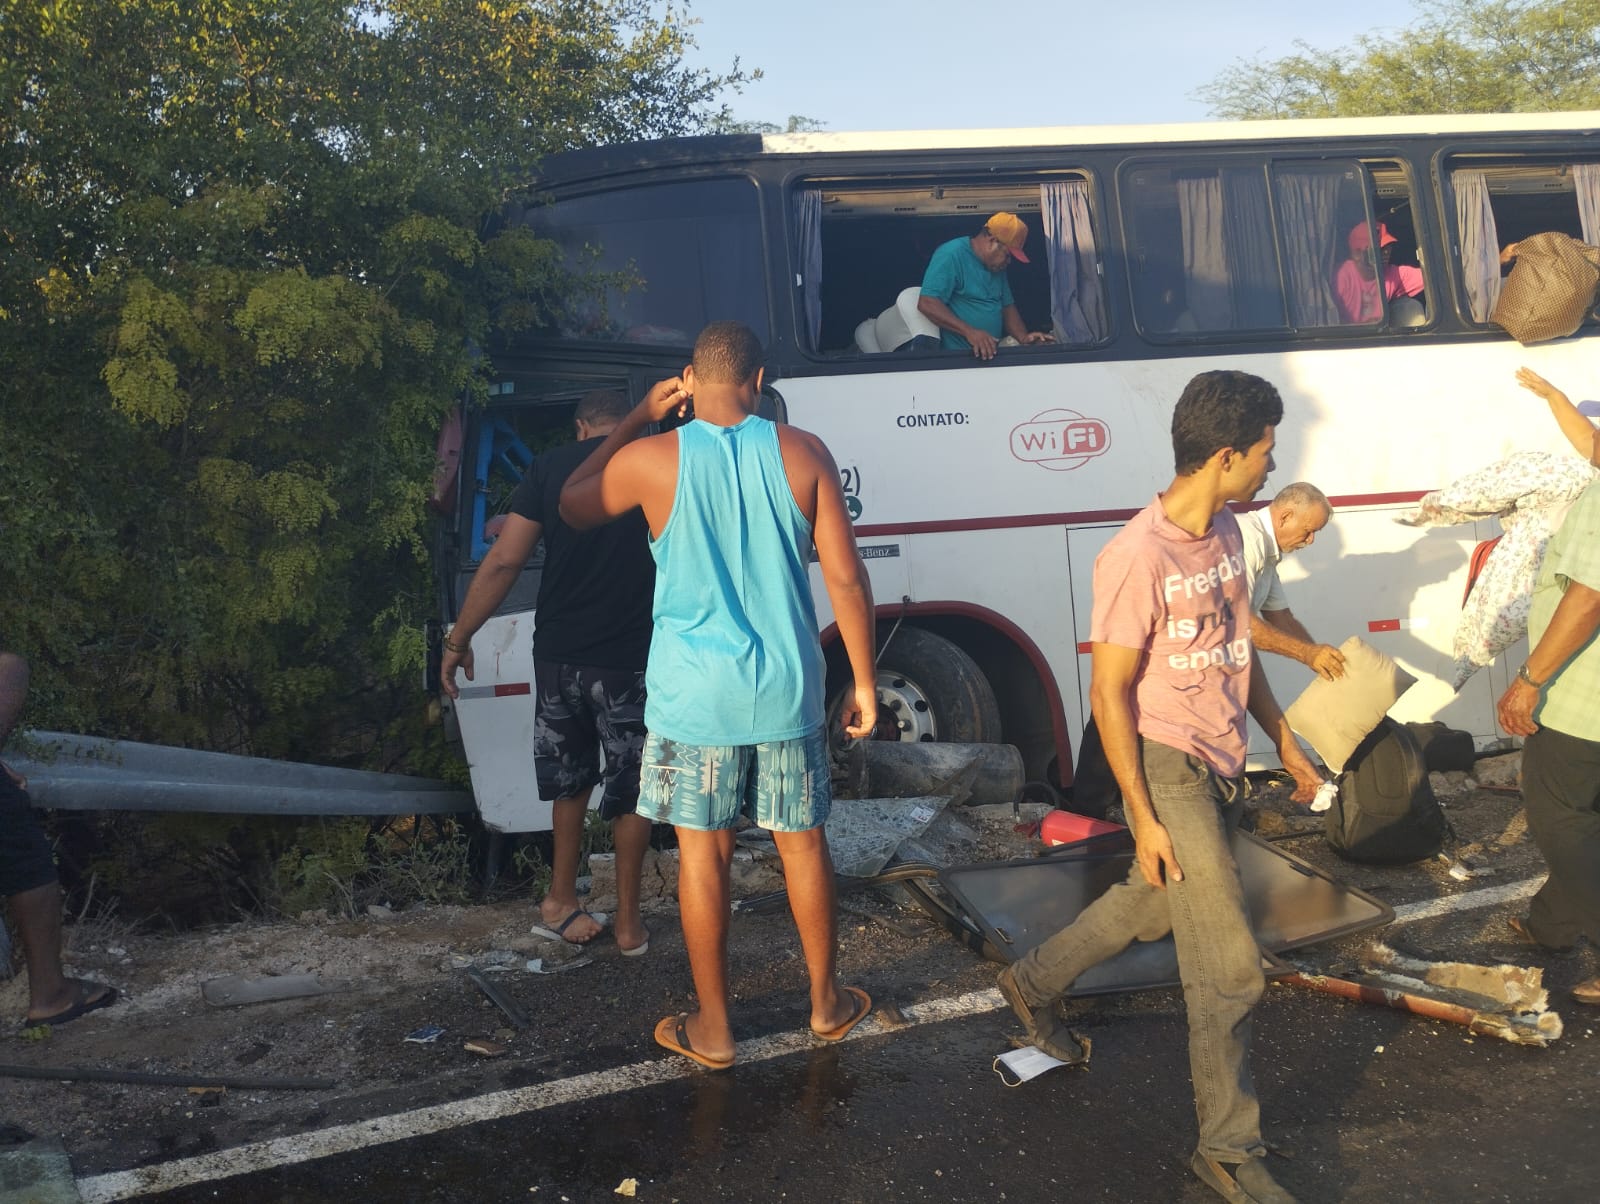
column 974, row 294
column 1571, row 702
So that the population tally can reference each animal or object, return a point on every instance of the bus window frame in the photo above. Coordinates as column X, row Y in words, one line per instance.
column 1268, row 158
column 665, row 177
column 870, row 176
column 1567, row 146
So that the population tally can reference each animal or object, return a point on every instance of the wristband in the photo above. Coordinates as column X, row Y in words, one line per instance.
column 458, row 649
column 1522, row 676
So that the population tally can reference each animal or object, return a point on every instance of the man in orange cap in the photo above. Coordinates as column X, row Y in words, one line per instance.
column 965, row 292
column 1355, row 284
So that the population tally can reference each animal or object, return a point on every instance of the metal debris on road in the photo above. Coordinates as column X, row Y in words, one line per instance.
column 513, row 1011
column 1504, row 1001
column 235, row 990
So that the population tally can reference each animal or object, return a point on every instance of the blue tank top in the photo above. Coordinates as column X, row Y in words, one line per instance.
column 734, row 658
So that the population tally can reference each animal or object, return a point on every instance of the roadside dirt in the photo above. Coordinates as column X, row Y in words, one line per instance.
column 402, row 972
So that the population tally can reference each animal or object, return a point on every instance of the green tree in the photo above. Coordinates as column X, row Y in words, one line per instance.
column 247, row 256
column 1460, row 56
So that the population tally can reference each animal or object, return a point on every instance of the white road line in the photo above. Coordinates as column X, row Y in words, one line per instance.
column 420, row 1122
column 1484, row 896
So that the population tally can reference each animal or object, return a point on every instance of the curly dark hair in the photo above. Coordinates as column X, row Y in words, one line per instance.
column 1219, row 409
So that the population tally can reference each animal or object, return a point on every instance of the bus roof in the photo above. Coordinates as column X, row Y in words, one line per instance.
column 823, row 141
column 599, row 162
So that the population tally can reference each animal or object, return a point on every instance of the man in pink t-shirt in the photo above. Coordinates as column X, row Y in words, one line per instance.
column 1174, row 673
column 1355, row 284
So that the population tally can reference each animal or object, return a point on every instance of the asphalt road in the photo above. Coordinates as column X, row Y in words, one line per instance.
column 1367, row 1105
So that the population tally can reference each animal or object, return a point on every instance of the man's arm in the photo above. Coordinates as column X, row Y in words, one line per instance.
column 1279, row 631
column 496, row 575
column 1011, row 320
column 1111, row 685
column 1265, row 710
column 849, row 592
column 942, row 316
column 593, row 496
column 1576, row 619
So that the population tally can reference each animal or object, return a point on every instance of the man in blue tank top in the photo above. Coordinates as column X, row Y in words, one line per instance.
column 734, row 710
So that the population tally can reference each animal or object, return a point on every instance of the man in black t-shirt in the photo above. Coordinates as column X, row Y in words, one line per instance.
column 591, row 639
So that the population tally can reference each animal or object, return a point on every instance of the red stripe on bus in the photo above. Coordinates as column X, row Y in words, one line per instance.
column 1083, row 517
column 1384, row 625
column 514, row 688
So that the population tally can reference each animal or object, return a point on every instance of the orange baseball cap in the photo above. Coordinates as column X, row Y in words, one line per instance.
column 1012, row 231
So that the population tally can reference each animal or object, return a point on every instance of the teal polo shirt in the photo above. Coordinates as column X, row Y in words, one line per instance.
column 974, row 294
column 1569, row 704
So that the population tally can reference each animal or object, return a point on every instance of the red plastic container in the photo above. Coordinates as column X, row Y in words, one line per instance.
column 1068, row 827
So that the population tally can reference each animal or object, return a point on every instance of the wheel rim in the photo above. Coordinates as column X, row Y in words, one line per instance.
column 904, row 712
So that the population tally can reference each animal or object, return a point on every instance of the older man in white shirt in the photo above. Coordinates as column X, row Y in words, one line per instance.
column 1288, row 523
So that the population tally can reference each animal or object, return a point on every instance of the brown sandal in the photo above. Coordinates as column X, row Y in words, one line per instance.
column 1588, row 992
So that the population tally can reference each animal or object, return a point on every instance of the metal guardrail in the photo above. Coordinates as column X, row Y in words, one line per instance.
column 90, row 773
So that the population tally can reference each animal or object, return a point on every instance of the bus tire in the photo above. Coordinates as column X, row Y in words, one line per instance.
column 931, row 689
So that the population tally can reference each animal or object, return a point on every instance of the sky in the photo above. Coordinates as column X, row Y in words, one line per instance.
column 940, row 64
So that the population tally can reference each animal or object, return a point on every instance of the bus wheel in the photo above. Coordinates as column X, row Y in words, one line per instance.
column 929, row 689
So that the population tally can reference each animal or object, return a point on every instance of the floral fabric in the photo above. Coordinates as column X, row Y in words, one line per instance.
column 1529, row 493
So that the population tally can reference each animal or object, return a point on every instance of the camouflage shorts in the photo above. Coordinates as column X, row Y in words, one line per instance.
column 584, row 713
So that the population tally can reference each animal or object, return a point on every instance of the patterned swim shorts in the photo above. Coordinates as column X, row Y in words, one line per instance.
column 582, row 713
column 782, row 785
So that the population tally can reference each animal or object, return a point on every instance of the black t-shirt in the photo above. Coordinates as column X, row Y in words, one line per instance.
column 594, row 598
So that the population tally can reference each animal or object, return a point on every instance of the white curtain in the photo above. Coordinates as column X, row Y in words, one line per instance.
column 1077, row 298
column 1586, row 182
column 1480, row 242
column 1205, row 257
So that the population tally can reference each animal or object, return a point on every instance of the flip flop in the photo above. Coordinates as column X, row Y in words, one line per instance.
column 863, row 1010
column 559, row 932
column 82, row 1008
column 638, row 950
column 1588, row 992
column 672, row 1032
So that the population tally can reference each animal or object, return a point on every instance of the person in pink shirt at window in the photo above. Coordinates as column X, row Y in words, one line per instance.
column 1355, row 284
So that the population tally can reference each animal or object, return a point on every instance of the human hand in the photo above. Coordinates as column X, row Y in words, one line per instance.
column 1538, row 385
column 1307, row 778
column 861, row 713
column 20, row 781
column 1326, row 661
column 1508, row 252
column 1515, row 708
column 664, row 397
column 448, row 666
column 983, row 343
column 1038, row 336
column 1157, row 861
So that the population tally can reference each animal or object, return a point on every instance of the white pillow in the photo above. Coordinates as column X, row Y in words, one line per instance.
column 1335, row 716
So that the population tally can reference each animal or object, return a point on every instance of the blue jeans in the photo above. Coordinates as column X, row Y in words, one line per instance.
column 1218, row 959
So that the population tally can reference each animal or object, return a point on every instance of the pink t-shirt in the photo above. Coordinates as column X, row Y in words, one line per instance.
column 1358, row 296
column 1184, row 602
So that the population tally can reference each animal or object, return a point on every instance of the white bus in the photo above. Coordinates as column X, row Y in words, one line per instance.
column 982, row 491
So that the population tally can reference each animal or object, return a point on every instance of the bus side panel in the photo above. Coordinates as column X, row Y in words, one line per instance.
column 1083, row 545
column 1408, row 604
column 495, row 711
